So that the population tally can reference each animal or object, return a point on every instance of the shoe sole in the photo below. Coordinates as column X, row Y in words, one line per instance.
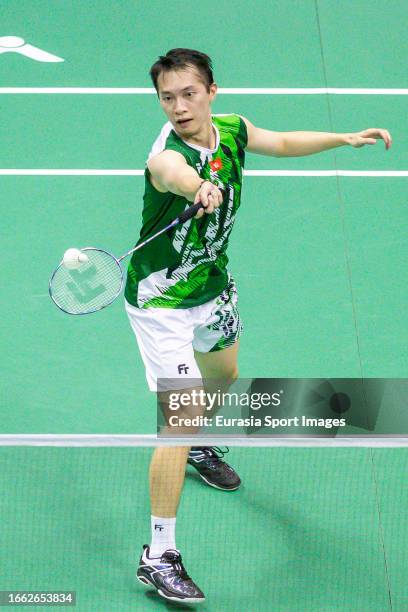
column 148, row 584
column 211, row 484
column 145, row 582
column 187, row 600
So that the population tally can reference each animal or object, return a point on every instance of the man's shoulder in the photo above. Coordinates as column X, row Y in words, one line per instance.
column 232, row 124
column 229, row 122
column 166, row 139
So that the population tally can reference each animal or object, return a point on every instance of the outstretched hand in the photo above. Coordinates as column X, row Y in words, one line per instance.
column 370, row 136
column 210, row 196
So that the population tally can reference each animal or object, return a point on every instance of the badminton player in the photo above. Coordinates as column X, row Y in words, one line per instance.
column 181, row 299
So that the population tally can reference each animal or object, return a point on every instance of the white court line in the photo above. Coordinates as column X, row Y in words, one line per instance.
column 326, row 172
column 111, row 440
column 68, row 172
column 130, row 172
column 222, row 90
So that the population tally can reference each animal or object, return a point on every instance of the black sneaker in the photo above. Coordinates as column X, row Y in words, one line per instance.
column 168, row 576
column 207, row 460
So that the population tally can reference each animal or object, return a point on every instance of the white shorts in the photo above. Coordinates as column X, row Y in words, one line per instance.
column 167, row 337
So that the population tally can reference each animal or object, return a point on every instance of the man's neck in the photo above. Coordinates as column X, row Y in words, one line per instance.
column 206, row 138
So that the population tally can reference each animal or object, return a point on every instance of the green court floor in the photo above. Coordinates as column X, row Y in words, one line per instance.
column 318, row 260
column 310, row 529
column 320, row 264
column 321, row 294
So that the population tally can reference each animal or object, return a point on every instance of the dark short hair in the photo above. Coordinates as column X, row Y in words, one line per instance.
column 178, row 59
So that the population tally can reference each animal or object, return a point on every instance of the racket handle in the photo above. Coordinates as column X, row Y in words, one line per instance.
column 191, row 211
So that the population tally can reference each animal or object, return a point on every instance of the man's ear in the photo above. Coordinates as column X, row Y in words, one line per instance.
column 213, row 91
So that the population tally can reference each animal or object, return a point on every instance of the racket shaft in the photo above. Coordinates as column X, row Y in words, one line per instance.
column 190, row 212
column 142, row 244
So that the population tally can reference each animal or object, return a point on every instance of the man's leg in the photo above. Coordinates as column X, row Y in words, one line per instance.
column 219, row 364
column 161, row 563
column 221, row 367
column 167, row 471
column 164, row 337
column 166, row 476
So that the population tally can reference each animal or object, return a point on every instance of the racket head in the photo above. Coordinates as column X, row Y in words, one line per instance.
column 92, row 286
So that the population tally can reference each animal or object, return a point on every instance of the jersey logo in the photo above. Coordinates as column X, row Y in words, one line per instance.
column 216, row 164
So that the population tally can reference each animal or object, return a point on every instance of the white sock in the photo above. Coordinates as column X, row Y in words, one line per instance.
column 163, row 535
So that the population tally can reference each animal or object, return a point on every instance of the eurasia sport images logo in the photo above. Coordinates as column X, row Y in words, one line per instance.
column 15, row 44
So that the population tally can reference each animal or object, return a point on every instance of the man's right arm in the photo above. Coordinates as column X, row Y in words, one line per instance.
column 170, row 172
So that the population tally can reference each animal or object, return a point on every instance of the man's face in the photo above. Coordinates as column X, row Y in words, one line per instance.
column 185, row 100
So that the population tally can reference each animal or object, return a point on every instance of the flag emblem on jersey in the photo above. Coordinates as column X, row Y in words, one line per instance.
column 216, row 164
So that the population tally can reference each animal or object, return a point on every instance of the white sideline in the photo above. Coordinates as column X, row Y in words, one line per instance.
column 130, row 172
column 222, row 90
column 114, row 440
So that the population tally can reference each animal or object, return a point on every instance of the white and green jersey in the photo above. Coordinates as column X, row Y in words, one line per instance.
column 187, row 266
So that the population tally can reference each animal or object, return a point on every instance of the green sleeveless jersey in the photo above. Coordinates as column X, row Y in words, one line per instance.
column 187, row 266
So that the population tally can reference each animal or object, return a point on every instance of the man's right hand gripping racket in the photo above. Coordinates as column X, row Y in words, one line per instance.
column 90, row 279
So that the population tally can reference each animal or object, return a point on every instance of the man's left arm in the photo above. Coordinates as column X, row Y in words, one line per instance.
column 296, row 144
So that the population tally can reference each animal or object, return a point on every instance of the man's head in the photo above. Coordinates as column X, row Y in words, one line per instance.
column 183, row 80
column 180, row 59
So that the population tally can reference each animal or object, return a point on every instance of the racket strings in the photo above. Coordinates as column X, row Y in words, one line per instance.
column 90, row 287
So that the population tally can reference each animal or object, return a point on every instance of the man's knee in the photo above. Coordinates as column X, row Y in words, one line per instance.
column 229, row 377
column 234, row 375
